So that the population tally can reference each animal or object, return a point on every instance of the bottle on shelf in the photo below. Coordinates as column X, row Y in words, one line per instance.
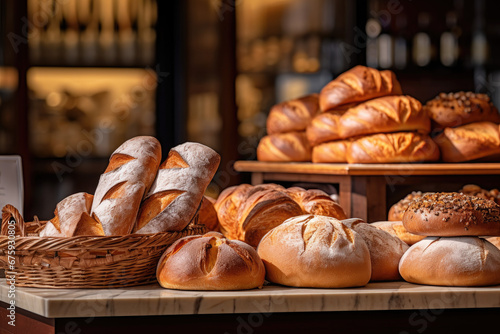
column 385, row 47
column 401, row 43
column 448, row 46
column 422, row 51
column 373, row 30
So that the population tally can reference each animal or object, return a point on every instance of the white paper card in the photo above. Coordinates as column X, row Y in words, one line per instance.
column 11, row 182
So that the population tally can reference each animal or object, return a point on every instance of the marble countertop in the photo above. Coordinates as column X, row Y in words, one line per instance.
column 154, row 300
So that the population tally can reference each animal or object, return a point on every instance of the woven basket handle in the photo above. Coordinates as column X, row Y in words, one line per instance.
column 9, row 212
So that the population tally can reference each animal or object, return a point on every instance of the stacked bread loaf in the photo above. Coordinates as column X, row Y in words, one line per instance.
column 137, row 194
column 248, row 212
column 466, row 126
column 452, row 254
column 286, row 125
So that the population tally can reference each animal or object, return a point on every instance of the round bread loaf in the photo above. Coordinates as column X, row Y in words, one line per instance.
column 397, row 229
column 460, row 108
column 210, row 262
column 316, row 202
column 290, row 146
column 293, row 115
column 331, row 152
column 480, row 140
column 452, row 261
column 393, row 147
column 452, row 214
column 385, row 249
column 315, row 251
column 397, row 210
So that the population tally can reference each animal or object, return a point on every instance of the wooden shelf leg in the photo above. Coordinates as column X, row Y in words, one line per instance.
column 368, row 198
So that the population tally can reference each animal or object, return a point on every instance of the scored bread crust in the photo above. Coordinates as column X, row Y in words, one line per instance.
column 290, row 146
column 210, row 262
column 178, row 189
column 315, row 251
column 292, row 115
column 452, row 214
column 130, row 173
column 359, row 83
column 452, row 261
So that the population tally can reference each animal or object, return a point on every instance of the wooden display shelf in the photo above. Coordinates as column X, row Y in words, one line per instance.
column 362, row 187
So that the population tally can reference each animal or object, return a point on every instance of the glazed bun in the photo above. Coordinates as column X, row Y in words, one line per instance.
column 210, row 262
column 397, row 210
column 397, row 229
column 385, row 249
column 452, row 214
column 315, row 251
column 453, row 261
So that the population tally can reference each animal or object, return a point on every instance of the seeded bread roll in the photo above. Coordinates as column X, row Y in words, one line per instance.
column 293, row 115
column 360, row 83
column 455, row 109
column 315, row 251
column 452, row 214
column 397, row 210
column 452, row 261
column 210, row 262
column 385, row 249
column 291, row 146
column 480, row 140
column 397, row 229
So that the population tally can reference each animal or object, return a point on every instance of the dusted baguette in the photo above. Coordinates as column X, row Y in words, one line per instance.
column 293, row 115
column 210, row 262
column 131, row 171
column 178, row 189
column 360, row 83
column 72, row 218
column 315, row 251
column 452, row 261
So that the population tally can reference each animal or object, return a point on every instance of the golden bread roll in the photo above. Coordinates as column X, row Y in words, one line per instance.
column 460, row 108
column 452, row 261
column 316, row 202
column 469, row 142
column 72, row 218
column 331, row 152
column 207, row 215
column 360, row 83
column 178, row 189
column 291, row 146
column 452, row 214
column 385, row 249
column 131, row 170
column 293, row 115
column 397, row 229
column 393, row 147
column 210, row 262
column 474, row 190
column 315, row 251
column 398, row 209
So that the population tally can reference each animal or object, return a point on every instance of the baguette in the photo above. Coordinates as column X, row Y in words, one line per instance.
column 293, row 115
column 177, row 191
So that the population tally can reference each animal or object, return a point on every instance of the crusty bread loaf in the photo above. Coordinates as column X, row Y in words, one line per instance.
column 293, row 115
column 460, row 108
column 178, row 189
column 393, row 147
column 360, row 83
column 385, row 249
column 474, row 190
column 397, row 229
column 331, row 152
column 72, row 218
column 316, row 202
column 210, row 262
column 291, row 146
column 315, row 251
column 398, row 209
column 452, row 261
column 130, row 173
column 324, row 127
column 469, row 142
column 207, row 215
column 452, row 214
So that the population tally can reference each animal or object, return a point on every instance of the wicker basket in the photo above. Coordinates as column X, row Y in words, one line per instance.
column 84, row 261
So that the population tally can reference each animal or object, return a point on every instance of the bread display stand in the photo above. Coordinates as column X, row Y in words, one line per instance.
column 363, row 187
column 389, row 307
